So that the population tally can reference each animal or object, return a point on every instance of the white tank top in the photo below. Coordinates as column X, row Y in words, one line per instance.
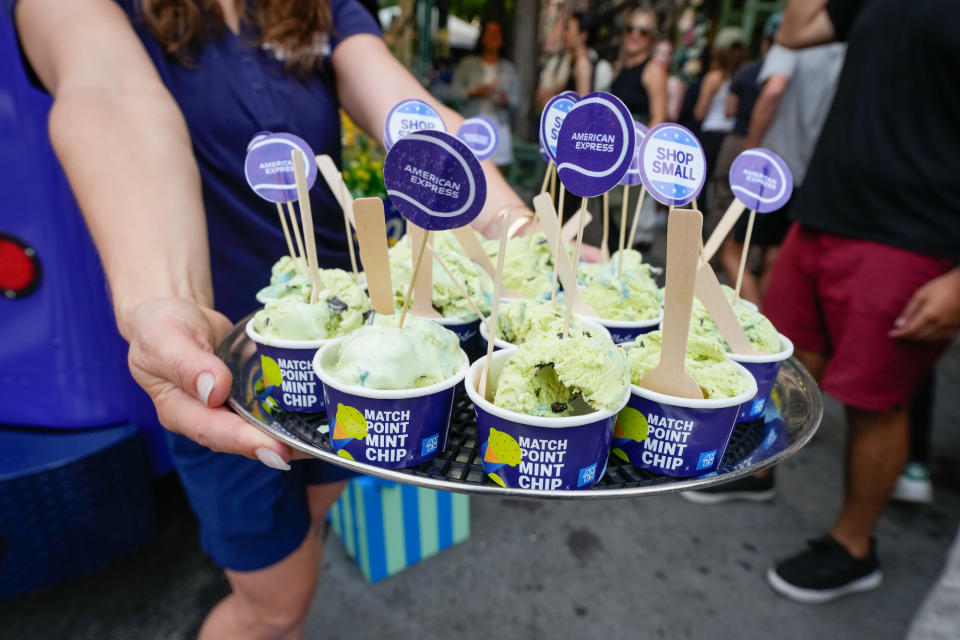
column 715, row 119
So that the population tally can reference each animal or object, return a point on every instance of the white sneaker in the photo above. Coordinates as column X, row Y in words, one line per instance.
column 914, row 484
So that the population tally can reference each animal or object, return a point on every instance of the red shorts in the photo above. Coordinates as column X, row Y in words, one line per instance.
column 840, row 297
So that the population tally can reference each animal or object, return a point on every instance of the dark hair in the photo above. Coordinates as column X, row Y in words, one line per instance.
column 729, row 60
column 292, row 26
column 478, row 48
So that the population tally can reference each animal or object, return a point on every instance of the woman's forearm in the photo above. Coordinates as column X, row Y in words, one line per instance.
column 129, row 161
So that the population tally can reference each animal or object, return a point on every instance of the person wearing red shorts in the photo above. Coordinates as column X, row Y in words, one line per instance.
column 866, row 284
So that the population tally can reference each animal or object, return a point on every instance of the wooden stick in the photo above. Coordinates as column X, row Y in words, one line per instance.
column 294, row 222
column 554, row 179
column 727, row 222
column 553, row 294
column 422, row 305
column 372, row 236
column 604, row 247
column 485, row 382
column 695, row 207
column 413, row 278
column 707, row 288
column 346, row 226
column 636, row 217
column 623, row 228
column 286, row 235
column 303, row 197
column 565, row 271
column 546, row 178
column 334, row 179
column 576, row 261
column 743, row 256
column 456, row 283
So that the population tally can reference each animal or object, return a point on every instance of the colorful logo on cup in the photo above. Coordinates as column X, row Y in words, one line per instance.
column 596, row 145
column 435, row 180
column 632, row 177
column 551, row 119
column 408, row 117
column 480, row 134
column 761, row 180
column 269, row 169
column 672, row 164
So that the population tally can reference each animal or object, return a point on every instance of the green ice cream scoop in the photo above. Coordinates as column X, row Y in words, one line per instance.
column 760, row 331
column 633, row 296
column 706, row 361
column 384, row 356
column 447, row 299
column 522, row 320
column 340, row 308
column 549, row 376
column 528, row 265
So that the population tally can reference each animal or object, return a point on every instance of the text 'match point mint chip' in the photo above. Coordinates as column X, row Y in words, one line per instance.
column 408, row 117
column 761, row 180
column 434, row 180
column 596, row 145
column 672, row 164
column 269, row 169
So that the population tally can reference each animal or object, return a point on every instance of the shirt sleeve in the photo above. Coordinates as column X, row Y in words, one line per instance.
column 779, row 61
column 350, row 18
column 842, row 14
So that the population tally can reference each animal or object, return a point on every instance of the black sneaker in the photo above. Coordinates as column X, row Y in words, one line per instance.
column 750, row 488
column 825, row 572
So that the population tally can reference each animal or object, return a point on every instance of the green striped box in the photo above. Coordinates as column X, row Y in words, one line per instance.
column 386, row 526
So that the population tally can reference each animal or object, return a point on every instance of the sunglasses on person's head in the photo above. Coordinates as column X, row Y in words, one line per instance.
column 640, row 30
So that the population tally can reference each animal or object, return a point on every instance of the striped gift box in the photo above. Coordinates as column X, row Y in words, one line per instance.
column 386, row 526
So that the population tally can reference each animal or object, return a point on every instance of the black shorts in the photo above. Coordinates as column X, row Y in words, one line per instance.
column 769, row 229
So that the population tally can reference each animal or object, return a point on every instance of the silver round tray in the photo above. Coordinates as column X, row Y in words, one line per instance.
column 786, row 427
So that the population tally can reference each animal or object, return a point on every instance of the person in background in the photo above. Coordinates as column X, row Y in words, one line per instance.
column 743, row 94
column 485, row 84
column 676, row 87
column 728, row 54
column 572, row 68
column 867, row 283
column 639, row 80
column 797, row 88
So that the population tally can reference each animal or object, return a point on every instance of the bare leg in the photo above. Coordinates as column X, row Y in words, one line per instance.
column 273, row 603
column 730, row 252
column 876, row 452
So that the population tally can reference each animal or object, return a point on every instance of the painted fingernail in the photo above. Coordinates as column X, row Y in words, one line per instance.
column 272, row 459
column 205, row 386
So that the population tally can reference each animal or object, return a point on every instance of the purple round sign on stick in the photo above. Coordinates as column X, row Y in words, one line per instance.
column 632, row 177
column 672, row 164
column 269, row 169
column 480, row 134
column 761, row 180
column 596, row 144
column 407, row 117
column 552, row 118
column 435, row 180
column 258, row 136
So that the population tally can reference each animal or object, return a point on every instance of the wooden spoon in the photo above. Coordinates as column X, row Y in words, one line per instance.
column 683, row 248
column 565, row 271
column 372, row 236
column 712, row 296
column 423, row 280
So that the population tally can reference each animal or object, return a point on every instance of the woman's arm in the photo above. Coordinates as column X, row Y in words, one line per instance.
column 733, row 103
column 370, row 81
column 583, row 74
column 711, row 83
column 126, row 151
column 655, row 82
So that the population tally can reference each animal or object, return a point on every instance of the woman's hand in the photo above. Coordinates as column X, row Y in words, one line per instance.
column 933, row 312
column 171, row 357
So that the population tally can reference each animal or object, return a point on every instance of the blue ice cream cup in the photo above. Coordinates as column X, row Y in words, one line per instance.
column 530, row 452
column 678, row 437
column 500, row 343
column 764, row 368
column 386, row 428
column 286, row 366
column 626, row 331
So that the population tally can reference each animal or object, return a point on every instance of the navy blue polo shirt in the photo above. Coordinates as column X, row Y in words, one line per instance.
column 233, row 90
